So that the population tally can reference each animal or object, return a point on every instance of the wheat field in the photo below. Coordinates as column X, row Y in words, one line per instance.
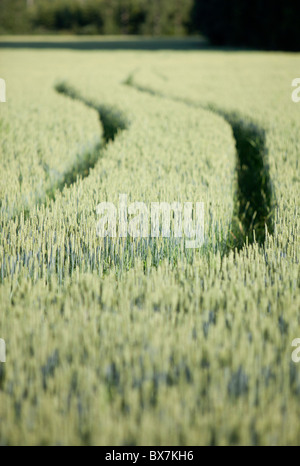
column 141, row 341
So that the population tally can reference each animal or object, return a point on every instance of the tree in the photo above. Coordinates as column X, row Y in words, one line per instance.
column 259, row 23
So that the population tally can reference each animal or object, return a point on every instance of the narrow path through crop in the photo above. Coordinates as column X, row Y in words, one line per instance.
column 254, row 200
column 112, row 122
column 254, row 204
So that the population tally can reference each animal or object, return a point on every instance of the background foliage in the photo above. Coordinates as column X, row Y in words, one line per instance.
column 97, row 16
column 259, row 23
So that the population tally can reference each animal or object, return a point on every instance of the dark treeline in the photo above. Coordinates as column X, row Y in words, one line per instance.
column 248, row 23
column 264, row 24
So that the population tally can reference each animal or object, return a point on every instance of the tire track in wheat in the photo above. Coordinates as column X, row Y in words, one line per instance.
column 254, row 199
